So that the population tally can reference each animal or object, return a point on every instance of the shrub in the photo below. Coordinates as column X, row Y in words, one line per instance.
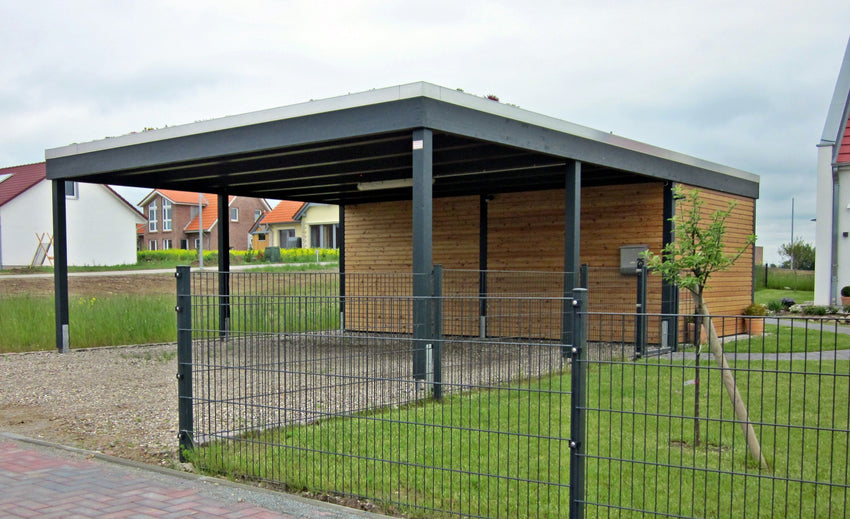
column 845, row 291
column 755, row 310
column 777, row 305
column 787, row 302
column 815, row 310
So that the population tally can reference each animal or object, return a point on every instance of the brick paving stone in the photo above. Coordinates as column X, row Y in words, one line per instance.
column 39, row 480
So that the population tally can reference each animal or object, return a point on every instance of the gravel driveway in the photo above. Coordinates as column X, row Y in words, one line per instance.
column 120, row 401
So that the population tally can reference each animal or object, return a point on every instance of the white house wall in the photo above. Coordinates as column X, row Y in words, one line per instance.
column 101, row 228
column 823, row 231
column 21, row 218
column 843, row 227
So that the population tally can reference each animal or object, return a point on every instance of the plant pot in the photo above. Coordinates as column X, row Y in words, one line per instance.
column 755, row 325
column 845, row 300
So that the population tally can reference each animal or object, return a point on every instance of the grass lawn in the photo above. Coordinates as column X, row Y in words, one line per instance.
column 27, row 322
column 503, row 451
column 767, row 295
column 784, row 339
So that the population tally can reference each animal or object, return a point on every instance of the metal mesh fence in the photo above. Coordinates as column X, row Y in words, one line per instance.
column 312, row 389
column 665, row 438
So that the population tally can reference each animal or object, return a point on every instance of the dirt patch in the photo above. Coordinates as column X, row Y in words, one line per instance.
column 92, row 285
column 120, row 401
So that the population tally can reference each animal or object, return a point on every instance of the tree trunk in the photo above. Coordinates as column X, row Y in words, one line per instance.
column 741, row 413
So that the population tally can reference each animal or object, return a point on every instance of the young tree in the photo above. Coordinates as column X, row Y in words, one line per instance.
column 800, row 255
column 689, row 261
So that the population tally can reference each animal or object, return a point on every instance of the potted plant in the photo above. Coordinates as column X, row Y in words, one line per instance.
column 755, row 321
column 845, row 295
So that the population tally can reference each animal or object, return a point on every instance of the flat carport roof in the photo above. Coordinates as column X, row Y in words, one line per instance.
column 327, row 150
column 410, row 142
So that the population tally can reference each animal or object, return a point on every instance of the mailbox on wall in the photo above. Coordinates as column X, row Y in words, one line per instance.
column 629, row 254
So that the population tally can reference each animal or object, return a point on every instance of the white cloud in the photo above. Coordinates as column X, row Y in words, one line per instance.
column 745, row 84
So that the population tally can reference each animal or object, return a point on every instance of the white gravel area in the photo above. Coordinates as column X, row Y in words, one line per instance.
column 119, row 400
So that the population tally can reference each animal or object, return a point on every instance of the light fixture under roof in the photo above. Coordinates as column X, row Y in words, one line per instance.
column 396, row 183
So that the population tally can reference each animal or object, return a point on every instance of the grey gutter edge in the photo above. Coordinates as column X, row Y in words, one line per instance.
column 837, row 114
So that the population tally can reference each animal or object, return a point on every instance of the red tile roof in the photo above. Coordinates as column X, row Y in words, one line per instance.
column 21, row 179
column 283, row 212
column 176, row 197
column 209, row 214
column 843, row 156
column 182, row 197
column 141, row 228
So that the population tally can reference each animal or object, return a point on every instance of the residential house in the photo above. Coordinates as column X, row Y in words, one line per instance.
column 177, row 219
column 298, row 224
column 832, row 239
column 320, row 225
column 100, row 222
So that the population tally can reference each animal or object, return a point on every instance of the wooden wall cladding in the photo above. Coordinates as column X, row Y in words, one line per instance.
column 525, row 233
column 729, row 292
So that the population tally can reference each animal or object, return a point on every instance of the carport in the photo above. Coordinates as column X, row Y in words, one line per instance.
column 411, row 142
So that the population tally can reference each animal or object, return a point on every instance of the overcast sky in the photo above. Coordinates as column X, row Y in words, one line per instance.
column 742, row 83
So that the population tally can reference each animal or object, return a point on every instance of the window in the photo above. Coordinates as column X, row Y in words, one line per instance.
column 166, row 244
column 324, row 236
column 261, row 236
column 152, row 217
column 152, row 245
column 197, row 244
column 283, row 236
column 234, row 214
column 166, row 216
column 257, row 214
column 184, row 244
column 71, row 190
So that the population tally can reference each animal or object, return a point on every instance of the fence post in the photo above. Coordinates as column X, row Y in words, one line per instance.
column 184, row 360
column 437, row 332
column 640, row 315
column 578, row 405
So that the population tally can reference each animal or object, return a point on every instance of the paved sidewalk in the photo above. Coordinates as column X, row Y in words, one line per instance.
column 42, row 480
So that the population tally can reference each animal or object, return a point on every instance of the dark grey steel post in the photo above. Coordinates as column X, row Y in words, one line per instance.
column 422, row 254
column 185, row 415
column 483, row 203
column 583, row 276
column 572, row 235
column 640, row 310
column 340, row 242
column 578, row 403
column 437, row 345
column 60, row 268
column 223, row 265
column 669, row 291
